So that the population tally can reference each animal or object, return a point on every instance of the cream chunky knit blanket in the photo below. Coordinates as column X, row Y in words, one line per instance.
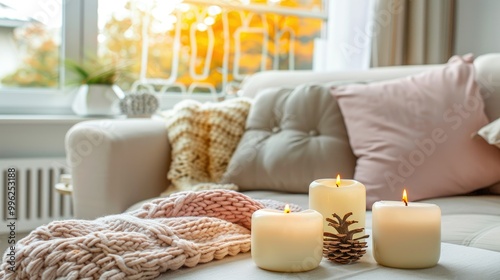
column 184, row 229
column 203, row 137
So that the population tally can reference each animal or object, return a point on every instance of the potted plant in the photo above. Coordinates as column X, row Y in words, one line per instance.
column 97, row 95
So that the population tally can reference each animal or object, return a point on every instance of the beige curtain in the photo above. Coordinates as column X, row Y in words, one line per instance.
column 412, row 32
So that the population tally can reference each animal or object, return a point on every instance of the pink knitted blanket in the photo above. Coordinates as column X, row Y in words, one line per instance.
column 184, row 229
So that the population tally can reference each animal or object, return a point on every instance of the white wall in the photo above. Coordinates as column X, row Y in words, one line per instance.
column 34, row 136
column 477, row 27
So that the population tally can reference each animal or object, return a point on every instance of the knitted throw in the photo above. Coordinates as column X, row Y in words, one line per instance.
column 184, row 229
column 203, row 137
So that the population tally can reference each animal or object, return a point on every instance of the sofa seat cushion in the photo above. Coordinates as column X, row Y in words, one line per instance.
column 480, row 231
column 468, row 204
column 292, row 137
column 470, row 220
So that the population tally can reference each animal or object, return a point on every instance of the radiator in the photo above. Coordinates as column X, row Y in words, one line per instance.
column 36, row 200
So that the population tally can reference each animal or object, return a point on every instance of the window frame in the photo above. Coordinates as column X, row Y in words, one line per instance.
column 79, row 26
column 79, row 37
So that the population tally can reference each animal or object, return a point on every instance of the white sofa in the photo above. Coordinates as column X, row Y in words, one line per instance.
column 119, row 163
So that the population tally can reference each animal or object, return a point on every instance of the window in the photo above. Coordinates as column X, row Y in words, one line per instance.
column 31, row 47
column 38, row 35
column 174, row 47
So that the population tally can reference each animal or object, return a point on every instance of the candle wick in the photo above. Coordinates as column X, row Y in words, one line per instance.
column 406, row 202
column 337, row 185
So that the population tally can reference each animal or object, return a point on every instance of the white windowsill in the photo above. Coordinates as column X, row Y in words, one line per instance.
column 48, row 119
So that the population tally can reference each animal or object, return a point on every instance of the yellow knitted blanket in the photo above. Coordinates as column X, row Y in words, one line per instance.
column 203, row 137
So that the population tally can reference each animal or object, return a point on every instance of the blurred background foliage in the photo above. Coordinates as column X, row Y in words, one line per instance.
column 40, row 64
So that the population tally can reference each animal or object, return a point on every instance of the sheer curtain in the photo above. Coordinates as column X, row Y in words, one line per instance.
column 349, row 40
column 373, row 33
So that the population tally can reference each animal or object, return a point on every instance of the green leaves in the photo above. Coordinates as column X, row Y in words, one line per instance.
column 93, row 71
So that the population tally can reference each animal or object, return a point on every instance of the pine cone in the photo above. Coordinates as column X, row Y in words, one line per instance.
column 340, row 247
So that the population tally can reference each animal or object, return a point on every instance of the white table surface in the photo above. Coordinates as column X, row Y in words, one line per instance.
column 456, row 262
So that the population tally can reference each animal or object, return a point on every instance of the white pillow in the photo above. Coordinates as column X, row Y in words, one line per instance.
column 491, row 133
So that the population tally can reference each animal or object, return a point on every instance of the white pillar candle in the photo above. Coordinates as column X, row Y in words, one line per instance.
column 286, row 242
column 341, row 196
column 406, row 236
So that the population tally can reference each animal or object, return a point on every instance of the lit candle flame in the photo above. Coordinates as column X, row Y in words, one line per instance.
column 405, row 197
column 338, row 180
column 287, row 209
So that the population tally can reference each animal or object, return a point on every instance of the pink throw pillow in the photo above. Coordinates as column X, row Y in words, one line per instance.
column 415, row 133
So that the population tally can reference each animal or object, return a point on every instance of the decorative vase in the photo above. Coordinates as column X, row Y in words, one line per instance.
column 97, row 100
column 139, row 105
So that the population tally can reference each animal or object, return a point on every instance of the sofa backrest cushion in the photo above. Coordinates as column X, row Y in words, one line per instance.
column 257, row 82
column 487, row 68
column 293, row 136
column 415, row 132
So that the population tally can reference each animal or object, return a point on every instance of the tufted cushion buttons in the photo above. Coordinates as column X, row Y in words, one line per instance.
column 313, row 133
column 291, row 157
